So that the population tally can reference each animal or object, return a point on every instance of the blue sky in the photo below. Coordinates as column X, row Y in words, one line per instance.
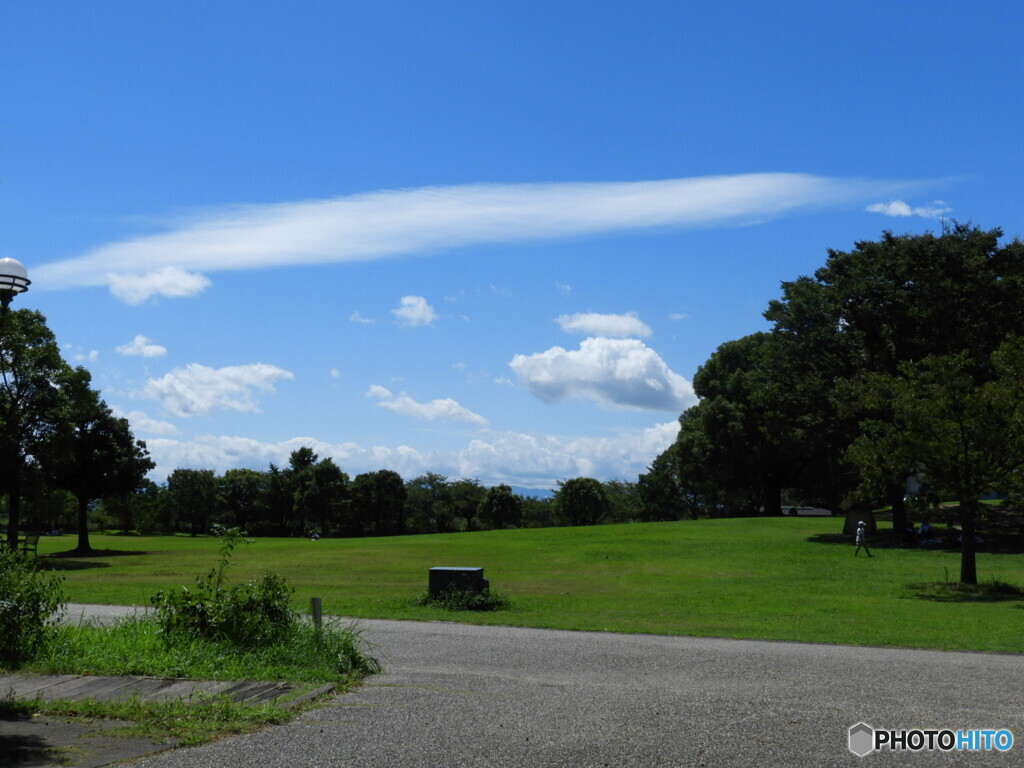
column 491, row 240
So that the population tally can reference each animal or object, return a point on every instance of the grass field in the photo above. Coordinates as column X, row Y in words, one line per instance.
column 767, row 578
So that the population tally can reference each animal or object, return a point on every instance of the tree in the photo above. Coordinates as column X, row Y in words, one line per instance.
column 466, row 494
column 33, row 375
column 500, row 508
column 895, row 301
column 623, row 501
column 321, row 494
column 745, row 430
column 241, row 495
column 663, row 489
column 429, row 501
column 93, row 453
column 193, row 495
column 582, row 501
column 963, row 435
column 378, row 504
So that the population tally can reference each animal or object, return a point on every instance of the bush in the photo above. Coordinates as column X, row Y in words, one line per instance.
column 465, row 600
column 248, row 615
column 29, row 603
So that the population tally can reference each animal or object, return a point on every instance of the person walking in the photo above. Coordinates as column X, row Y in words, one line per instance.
column 862, row 539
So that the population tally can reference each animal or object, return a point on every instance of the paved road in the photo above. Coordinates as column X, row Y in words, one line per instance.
column 460, row 696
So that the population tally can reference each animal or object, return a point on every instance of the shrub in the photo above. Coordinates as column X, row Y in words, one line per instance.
column 249, row 615
column 29, row 603
column 465, row 600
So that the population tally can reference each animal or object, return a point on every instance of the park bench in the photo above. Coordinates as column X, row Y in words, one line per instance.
column 29, row 543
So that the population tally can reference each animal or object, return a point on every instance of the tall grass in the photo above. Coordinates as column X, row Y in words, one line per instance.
column 137, row 646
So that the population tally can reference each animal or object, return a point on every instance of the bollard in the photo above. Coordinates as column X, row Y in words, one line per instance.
column 316, row 607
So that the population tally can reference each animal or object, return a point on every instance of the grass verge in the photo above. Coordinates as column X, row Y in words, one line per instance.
column 187, row 723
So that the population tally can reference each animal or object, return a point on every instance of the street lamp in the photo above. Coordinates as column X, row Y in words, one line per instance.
column 13, row 280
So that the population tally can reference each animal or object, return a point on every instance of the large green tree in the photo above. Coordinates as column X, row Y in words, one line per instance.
column 93, row 453
column 242, row 497
column 192, row 494
column 378, row 504
column 500, row 508
column 887, row 303
column 54, row 428
column 961, row 433
column 582, row 501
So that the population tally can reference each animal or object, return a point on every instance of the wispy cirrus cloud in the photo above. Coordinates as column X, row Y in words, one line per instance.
column 429, row 219
column 934, row 210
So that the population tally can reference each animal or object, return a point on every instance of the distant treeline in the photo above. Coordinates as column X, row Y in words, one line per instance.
column 313, row 495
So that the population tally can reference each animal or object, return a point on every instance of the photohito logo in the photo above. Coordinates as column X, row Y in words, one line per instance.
column 863, row 740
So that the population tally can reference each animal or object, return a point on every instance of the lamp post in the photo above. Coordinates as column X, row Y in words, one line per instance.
column 13, row 280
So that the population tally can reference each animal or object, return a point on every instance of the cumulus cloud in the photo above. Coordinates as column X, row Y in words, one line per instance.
column 616, row 372
column 935, row 210
column 144, row 424
column 593, row 324
column 414, row 311
column 430, row 219
column 436, row 410
column 533, row 461
column 142, row 346
column 168, row 281
column 197, row 389
column 355, row 317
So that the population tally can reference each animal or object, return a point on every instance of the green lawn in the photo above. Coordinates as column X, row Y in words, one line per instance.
column 768, row 578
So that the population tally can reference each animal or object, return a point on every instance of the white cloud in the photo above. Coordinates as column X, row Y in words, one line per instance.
column 140, row 345
column 678, row 316
column 143, row 424
column 429, row 219
column 197, row 389
column 87, row 357
column 619, row 372
column 415, row 311
column 563, row 289
column 355, row 317
column 593, row 324
column 169, row 281
column 436, row 410
column 534, row 461
column 335, row 373
column 935, row 210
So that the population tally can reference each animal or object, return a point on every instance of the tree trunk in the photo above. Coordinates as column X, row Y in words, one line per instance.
column 83, row 527
column 13, row 507
column 773, row 497
column 897, row 500
column 968, row 516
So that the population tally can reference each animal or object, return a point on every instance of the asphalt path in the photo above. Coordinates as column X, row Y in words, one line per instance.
column 458, row 696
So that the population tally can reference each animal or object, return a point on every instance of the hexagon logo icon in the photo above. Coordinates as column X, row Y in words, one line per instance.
column 862, row 739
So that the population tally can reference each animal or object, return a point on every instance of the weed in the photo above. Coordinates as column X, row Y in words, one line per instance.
column 29, row 600
column 189, row 722
column 464, row 600
column 252, row 614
